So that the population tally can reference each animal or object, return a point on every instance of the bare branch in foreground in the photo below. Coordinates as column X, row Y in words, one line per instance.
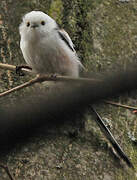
column 27, row 115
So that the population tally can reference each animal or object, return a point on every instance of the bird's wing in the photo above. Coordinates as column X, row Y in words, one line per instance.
column 65, row 37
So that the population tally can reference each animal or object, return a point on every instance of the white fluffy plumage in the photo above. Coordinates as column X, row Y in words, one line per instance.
column 45, row 47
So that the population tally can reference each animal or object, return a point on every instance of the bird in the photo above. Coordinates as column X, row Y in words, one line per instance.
column 46, row 48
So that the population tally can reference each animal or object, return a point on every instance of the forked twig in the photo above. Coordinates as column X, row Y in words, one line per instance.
column 43, row 78
column 40, row 78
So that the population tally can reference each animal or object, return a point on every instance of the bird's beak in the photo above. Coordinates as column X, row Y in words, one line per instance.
column 34, row 25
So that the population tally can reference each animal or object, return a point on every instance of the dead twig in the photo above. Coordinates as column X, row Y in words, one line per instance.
column 120, row 105
column 26, row 84
column 111, row 138
column 7, row 171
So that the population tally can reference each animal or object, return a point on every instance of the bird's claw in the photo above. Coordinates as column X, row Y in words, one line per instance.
column 53, row 76
column 19, row 71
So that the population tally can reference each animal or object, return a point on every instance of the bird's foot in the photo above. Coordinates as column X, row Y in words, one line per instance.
column 53, row 76
column 19, row 69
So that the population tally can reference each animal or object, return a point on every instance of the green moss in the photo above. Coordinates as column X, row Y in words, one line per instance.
column 55, row 10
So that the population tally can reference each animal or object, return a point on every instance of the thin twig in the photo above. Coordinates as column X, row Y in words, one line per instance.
column 13, row 68
column 26, row 84
column 7, row 171
column 111, row 138
column 120, row 105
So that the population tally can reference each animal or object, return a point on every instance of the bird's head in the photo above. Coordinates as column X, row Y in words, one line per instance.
column 35, row 24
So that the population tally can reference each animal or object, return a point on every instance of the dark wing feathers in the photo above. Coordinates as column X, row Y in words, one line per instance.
column 65, row 37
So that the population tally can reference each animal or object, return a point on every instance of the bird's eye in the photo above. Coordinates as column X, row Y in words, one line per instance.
column 28, row 24
column 43, row 23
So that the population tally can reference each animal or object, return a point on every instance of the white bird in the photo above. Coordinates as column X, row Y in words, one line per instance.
column 47, row 48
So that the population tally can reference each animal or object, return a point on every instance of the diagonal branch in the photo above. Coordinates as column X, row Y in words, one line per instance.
column 111, row 138
column 26, row 84
column 120, row 105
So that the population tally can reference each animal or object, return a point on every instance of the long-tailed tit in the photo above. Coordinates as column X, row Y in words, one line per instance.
column 46, row 47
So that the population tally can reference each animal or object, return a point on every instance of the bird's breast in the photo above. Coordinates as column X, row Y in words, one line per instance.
column 48, row 57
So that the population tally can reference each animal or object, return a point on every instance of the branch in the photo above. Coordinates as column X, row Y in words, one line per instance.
column 111, row 138
column 49, row 77
column 13, row 68
column 120, row 105
column 42, row 78
column 29, row 83
column 53, row 78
